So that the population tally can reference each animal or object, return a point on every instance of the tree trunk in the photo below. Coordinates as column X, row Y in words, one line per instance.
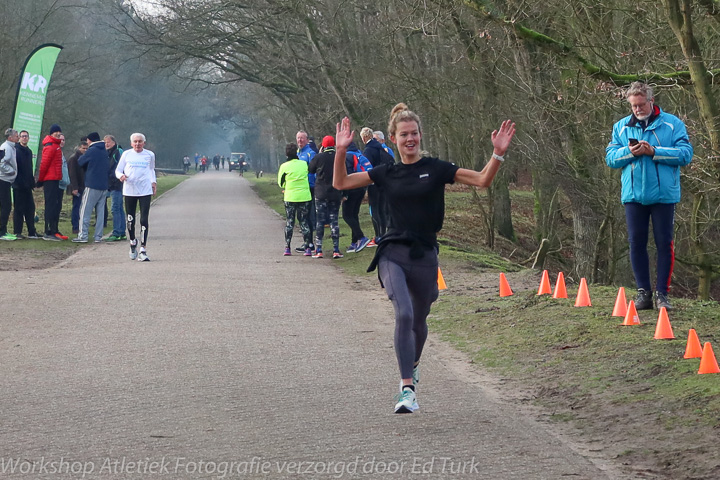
column 502, row 208
column 679, row 13
column 586, row 224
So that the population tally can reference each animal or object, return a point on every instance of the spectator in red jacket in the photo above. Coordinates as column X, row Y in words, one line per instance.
column 49, row 177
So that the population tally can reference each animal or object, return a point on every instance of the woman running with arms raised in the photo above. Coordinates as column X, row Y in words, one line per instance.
column 406, row 257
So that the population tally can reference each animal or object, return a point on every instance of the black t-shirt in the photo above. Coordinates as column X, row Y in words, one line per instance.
column 416, row 196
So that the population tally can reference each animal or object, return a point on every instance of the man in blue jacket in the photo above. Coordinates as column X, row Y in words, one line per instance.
column 649, row 146
column 306, row 154
column 96, row 162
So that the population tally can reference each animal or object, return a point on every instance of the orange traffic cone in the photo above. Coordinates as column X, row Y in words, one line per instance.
column 708, row 364
column 560, row 291
column 505, row 290
column 663, row 330
column 583, row 295
column 620, row 304
column 544, row 284
column 441, row 281
column 631, row 317
column 693, row 348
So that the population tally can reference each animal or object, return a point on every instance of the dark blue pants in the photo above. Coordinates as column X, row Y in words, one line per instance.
column 24, row 210
column 351, row 212
column 75, row 213
column 53, row 205
column 638, row 222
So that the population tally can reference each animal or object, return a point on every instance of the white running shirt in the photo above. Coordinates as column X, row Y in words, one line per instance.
column 139, row 168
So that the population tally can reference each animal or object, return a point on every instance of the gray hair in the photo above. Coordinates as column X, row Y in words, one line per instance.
column 379, row 134
column 110, row 137
column 366, row 133
column 639, row 88
column 138, row 135
column 10, row 132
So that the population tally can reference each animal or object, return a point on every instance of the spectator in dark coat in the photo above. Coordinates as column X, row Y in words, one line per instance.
column 96, row 163
column 377, row 155
column 23, row 189
column 77, row 183
column 115, row 188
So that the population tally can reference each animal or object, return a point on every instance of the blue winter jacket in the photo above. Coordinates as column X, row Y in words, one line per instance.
column 306, row 154
column 649, row 180
column 96, row 162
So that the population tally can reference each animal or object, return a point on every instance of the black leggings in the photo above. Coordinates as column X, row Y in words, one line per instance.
column 411, row 285
column 130, row 207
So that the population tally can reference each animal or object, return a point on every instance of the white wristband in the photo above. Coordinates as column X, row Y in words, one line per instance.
column 498, row 157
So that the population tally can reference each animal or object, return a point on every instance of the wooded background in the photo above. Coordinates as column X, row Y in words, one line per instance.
column 193, row 74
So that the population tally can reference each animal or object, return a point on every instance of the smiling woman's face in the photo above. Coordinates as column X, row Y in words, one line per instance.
column 407, row 138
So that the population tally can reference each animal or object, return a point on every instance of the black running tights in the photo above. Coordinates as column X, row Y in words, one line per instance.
column 411, row 285
column 131, row 204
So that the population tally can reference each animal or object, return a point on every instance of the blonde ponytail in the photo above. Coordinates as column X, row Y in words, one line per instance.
column 401, row 113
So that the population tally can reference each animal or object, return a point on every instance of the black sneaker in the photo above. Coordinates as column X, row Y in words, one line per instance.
column 644, row 300
column 300, row 249
column 661, row 300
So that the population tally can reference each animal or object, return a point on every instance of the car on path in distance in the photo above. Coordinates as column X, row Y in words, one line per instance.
column 237, row 160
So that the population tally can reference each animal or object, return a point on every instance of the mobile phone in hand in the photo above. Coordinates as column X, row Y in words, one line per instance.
column 633, row 141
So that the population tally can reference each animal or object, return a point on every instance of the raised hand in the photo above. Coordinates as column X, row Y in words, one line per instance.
column 501, row 138
column 343, row 134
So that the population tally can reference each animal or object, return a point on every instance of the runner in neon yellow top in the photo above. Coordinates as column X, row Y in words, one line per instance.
column 293, row 177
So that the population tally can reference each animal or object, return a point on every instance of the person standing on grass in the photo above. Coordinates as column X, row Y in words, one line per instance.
column 23, row 186
column 650, row 146
column 306, row 153
column 293, row 178
column 77, row 183
column 95, row 162
column 136, row 170
column 50, row 174
column 352, row 201
column 8, row 173
column 327, row 199
column 376, row 197
column 406, row 257
column 115, row 187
